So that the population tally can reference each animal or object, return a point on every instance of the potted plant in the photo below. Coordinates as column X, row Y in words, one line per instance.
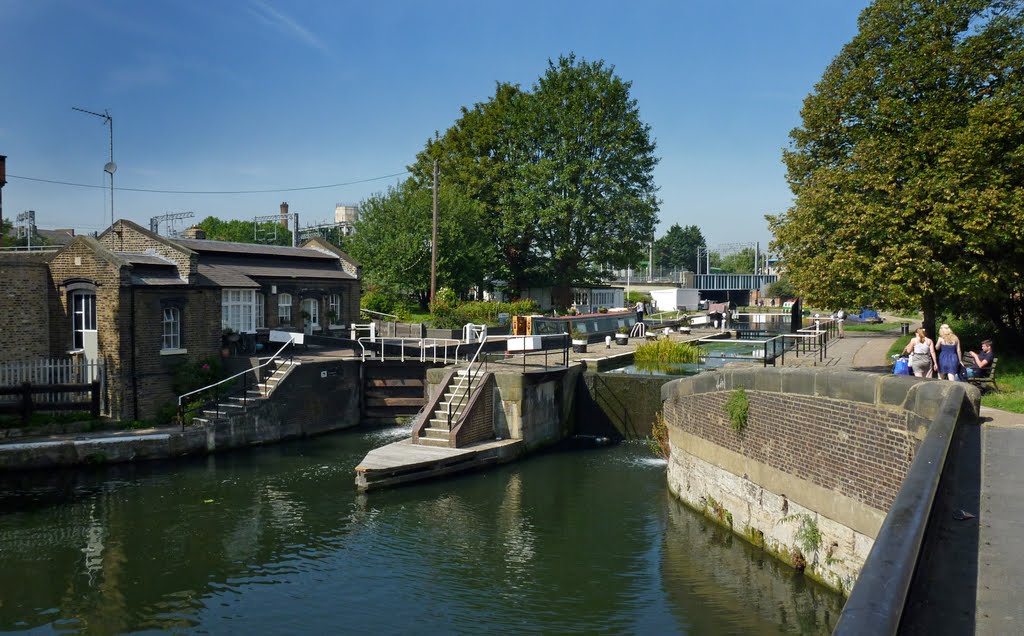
column 579, row 341
column 622, row 335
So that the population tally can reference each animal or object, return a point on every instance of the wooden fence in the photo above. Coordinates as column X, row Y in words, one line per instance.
column 53, row 398
column 73, row 378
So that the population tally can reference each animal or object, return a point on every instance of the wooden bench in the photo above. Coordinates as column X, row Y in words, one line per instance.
column 986, row 381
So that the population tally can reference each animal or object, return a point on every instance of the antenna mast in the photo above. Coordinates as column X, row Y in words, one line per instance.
column 111, row 167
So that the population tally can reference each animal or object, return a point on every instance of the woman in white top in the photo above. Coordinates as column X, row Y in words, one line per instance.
column 922, row 355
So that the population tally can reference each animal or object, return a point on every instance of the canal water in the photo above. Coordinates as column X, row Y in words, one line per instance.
column 275, row 540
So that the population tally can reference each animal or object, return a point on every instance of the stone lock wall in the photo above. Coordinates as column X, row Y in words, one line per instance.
column 814, row 471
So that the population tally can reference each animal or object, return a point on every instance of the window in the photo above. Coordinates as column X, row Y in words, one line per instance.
column 83, row 316
column 238, row 310
column 284, row 309
column 172, row 328
column 334, row 309
column 261, row 311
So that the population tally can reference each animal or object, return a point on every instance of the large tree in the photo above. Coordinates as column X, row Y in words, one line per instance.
column 907, row 169
column 392, row 240
column 678, row 247
column 741, row 262
column 565, row 172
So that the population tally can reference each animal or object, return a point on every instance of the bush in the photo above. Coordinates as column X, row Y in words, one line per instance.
column 189, row 376
column 666, row 352
column 385, row 302
column 633, row 297
column 451, row 315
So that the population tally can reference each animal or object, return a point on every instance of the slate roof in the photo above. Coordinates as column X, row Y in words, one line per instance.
column 146, row 259
column 204, row 246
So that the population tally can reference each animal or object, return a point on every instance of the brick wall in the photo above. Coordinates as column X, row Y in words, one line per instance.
column 479, row 423
column 126, row 236
column 858, row 450
column 24, row 308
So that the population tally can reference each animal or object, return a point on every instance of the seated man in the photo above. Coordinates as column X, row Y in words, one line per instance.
column 981, row 362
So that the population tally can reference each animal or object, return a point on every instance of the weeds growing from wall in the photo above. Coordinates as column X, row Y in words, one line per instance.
column 736, row 407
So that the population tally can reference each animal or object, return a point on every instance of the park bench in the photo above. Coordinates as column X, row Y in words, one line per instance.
column 987, row 381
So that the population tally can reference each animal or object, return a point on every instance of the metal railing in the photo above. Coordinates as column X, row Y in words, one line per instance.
column 392, row 326
column 423, row 344
column 182, row 412
column 561, row 343
column 467, row 379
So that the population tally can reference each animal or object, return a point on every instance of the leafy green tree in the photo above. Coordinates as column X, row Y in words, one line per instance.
column 678, row 247
column 564, row 172
column 781, row 289
column 907, row 169
column 236, row 231
column 392, row 241
column 741, row 262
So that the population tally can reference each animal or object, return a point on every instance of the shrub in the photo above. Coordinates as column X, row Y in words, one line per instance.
column 658, row 440
column 189, row 376
column 736, row 407
column 666, row 352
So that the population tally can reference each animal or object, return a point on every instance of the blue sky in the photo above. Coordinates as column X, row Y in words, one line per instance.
column 238, row 95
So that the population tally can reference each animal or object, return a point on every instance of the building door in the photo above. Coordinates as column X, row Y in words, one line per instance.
column 310, row 308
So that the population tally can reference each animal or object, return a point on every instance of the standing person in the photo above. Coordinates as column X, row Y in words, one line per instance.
column 981, row 363
column 640, row 311
column 922, row 354
column 948, row 346
column 840, row 319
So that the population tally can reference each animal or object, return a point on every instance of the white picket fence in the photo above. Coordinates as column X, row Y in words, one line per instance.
column 71, row 370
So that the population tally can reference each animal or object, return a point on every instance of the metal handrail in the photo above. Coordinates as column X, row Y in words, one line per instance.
column 422, row 343
column 394, row 321
column 469, row 375
column 241, row 373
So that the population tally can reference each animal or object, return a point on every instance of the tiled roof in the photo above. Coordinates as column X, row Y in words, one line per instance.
column 223, row 276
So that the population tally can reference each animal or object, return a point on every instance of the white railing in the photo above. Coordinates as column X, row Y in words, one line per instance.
column 269, row 360
column 466, row 380
column 72, row 370
column 424, row 344
column 390, row 327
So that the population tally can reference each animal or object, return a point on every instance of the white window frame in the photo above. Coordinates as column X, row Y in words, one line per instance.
column 260, row 318
column 284, row 310
column 238, row 310
column 170, row 342
column 334, row 304
column 82, row 318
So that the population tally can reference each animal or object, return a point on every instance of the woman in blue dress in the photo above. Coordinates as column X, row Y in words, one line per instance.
column 948, row 347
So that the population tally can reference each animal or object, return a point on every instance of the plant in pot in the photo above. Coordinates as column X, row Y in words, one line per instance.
column 579, row 341
column 622, row 335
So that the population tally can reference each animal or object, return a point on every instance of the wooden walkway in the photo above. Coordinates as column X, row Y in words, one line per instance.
column 403, row 462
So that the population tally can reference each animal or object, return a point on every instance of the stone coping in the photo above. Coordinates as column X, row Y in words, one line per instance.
column 876, row 603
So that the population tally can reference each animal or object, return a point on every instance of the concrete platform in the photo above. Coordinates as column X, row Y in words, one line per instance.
column 404, row 462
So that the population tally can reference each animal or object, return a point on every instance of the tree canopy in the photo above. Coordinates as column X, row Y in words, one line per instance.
column 907, row 168
column 271, row 232
column 741, row 262
column 392, row 240
column 678, row 247
column 564, row 173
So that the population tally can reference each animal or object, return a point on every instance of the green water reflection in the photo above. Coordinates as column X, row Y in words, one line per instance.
column 276, row 540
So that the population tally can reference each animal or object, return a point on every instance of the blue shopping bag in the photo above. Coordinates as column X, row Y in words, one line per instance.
column 902, row 366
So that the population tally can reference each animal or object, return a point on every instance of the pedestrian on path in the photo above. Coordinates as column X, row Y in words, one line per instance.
column 948, row 346
column 840, row 319
column 922, row 354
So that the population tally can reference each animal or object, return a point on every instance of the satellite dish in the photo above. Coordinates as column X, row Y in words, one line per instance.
column 111, row 167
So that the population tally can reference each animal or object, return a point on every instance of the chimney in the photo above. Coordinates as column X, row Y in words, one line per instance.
column 195, row 232
column 284, row 214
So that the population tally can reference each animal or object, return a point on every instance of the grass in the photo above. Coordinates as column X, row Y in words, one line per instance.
column 866, row 326
column 1010, row 377
column 665, row 352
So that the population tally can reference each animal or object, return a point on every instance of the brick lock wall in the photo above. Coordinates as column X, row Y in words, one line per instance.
column 479, row 424
column 855, row 449
column 24, row 307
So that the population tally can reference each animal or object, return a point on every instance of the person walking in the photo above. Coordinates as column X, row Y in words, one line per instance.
column 948, row 346
column 922, row 354
column 640, row 311
column 840, row 319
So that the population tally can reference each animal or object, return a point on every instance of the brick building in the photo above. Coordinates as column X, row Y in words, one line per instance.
column 145, row 303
